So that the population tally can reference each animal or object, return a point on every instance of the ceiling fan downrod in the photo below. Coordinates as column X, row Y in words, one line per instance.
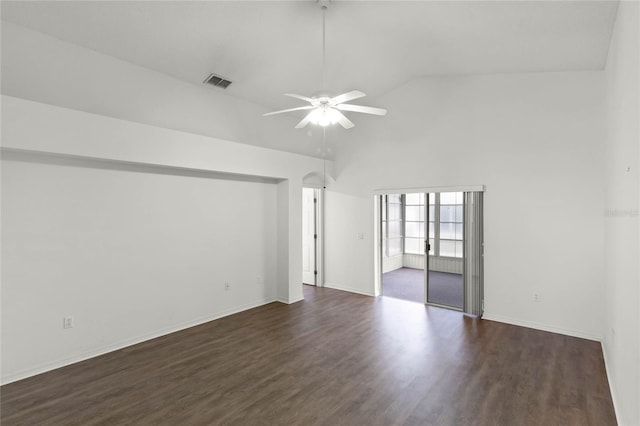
column 325, row 110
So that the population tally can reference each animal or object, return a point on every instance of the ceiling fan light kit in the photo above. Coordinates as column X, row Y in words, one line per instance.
column 326, row 110
column 323, row 116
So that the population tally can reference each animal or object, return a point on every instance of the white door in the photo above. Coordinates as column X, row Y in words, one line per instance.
column 308, row 236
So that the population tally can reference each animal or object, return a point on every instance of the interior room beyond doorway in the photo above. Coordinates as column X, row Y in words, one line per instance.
column 405, row 226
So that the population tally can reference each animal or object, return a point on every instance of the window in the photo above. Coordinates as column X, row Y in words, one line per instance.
column 432, row 224
column 445, row 224
column 392, row 220
column 414, row 223
column 450, row 238
column 403, row 224
column 383, row 216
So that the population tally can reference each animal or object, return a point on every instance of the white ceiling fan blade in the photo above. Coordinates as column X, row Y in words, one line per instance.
column 344, row 121
column 363, row 109
column 354, row 94
column 303, row 98
column 288, row 110
column 304, row 121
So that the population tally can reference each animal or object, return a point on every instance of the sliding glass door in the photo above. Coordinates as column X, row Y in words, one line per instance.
column 444, row 272
column 431, row 247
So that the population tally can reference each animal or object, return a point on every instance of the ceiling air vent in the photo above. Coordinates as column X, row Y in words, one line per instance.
column 217, row 81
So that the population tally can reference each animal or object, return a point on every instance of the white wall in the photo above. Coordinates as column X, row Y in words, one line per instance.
column 349, row 259
column 44, row 69
column 450, row 265
column 392, row 263
column 129, row 254
column 535, row 141
column 128, row 111
column 416, row 261
column 88, row 217
column 622, row 255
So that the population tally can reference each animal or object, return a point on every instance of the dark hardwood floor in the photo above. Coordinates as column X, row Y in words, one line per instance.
column 334, row 359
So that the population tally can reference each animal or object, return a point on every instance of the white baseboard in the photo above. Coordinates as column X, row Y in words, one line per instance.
column 82, row 356
column 611, row 388
column 349, row 289
column 540, row 326
column 289, row 301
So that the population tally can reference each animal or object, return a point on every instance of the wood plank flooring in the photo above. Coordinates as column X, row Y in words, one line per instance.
column 334, row 359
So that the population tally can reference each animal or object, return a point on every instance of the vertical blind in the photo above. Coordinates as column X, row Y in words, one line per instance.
column 473, row 254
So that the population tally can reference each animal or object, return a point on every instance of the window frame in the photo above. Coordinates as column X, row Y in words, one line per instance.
column 423, row 222
column 454, row 223
column 436, row 220
column 385, row 219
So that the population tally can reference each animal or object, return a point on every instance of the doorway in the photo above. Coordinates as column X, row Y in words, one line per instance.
column 402, row 232
column 311, row 250
column 426, row 255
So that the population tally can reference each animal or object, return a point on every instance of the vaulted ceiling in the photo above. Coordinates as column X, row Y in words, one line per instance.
column 270, row 48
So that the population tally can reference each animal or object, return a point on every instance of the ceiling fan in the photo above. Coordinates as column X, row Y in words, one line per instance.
column 324, row 108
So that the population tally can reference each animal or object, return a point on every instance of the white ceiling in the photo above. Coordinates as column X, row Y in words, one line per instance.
column 271, row 48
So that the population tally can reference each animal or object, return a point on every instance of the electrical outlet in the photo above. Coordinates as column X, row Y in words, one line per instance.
column 227, row 286
column 259, row 280
column 536, row 297
column 67, row 322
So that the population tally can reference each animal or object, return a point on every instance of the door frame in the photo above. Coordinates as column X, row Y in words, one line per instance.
column 319, row 232
column 377, row 220
column 426, row 247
